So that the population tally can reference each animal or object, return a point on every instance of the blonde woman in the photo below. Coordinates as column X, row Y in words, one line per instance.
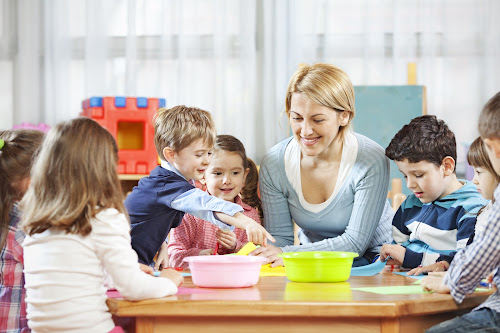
column 331, row 181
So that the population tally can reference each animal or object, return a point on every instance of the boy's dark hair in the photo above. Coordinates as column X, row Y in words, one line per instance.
column 425, row 138
column 489, row 119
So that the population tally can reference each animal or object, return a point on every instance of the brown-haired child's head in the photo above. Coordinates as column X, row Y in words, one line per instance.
column 485, row 177
column 425, row 153
column 425, row 138
column 17, row 152
column 74, row 177
column 180, row 126
column 489, row 129
column 489, row 119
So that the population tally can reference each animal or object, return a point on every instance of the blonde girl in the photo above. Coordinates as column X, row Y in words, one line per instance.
column 77, row 230
column 17, row 150
column 230, row 176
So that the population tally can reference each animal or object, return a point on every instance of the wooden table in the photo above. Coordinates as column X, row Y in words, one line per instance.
column 278, row 305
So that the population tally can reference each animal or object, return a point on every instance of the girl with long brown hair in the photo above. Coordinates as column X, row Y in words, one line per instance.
column 78, row 232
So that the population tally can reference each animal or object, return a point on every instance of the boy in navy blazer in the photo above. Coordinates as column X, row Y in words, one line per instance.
column 184, row 137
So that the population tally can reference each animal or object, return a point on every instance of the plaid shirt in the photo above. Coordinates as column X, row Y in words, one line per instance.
column 195, row 234
column 478, row 260
column 12, row 292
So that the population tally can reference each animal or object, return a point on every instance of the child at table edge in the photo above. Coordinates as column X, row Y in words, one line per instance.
column 482, row 257
column 440, row 215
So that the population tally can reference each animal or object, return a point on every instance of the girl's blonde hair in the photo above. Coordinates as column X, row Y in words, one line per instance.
column 16, row 157
column 325, row 85
column 74, row 178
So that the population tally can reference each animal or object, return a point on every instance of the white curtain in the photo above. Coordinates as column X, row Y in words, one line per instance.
column 234, row 58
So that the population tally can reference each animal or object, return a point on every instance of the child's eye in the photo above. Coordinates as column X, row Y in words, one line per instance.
column 296, row 119
column 418, row 176
column 235, row 173
column 216, row 173
column 319, row 120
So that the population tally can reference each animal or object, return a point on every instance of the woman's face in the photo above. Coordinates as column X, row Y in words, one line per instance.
column 315, row 126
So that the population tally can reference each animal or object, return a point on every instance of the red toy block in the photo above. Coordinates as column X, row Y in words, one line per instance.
column 130, row 122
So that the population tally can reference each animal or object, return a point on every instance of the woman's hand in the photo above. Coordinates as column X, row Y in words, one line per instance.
column 162, row 259
column 434, row 282
column 439, row 266
column 226, row 238
column 271, row 253
column 396, row 252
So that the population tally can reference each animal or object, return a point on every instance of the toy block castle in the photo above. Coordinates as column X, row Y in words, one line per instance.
column 130, row 121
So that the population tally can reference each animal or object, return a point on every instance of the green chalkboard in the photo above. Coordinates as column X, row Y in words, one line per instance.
column 381, row 111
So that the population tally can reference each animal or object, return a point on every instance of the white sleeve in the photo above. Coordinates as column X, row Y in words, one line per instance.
column 111, row 238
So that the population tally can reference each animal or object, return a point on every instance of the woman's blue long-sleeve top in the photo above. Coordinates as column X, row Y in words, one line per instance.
column 351, row 222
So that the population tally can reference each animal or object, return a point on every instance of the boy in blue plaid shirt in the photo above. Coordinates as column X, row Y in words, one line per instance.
column 482, row 257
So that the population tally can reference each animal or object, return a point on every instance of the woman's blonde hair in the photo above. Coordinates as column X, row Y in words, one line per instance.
column 325, row 85
column 74, row 178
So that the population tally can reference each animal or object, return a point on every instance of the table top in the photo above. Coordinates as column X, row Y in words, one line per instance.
column 277, row 296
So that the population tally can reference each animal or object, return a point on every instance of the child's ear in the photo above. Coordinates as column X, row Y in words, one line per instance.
column 168, row 153
column 494, row 145
column 247, row 170
column 448, row 165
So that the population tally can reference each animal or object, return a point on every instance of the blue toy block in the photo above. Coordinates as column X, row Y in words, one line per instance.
column 95, row 101
column 162, row 102
column 142, row 102
column 120, row 102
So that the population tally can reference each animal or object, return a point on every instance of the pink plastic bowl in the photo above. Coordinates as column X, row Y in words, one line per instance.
column 225, row 271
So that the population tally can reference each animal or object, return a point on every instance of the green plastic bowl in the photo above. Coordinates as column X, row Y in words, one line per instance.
column 320, row 266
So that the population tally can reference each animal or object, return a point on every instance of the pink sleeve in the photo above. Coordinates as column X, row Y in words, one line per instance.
column 180, row 245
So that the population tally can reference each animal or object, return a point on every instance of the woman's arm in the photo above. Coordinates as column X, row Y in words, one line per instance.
column 277, row 218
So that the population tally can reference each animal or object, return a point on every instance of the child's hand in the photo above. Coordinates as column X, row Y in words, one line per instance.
column 162, row 259
column 226, row 238
column 271, row 253
column 396, row 252
column 489, row 278
column 440, row 266
column 255, row 232
column 172, row 275
column 434, row 282
column 206, row 252
column 146, row 269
